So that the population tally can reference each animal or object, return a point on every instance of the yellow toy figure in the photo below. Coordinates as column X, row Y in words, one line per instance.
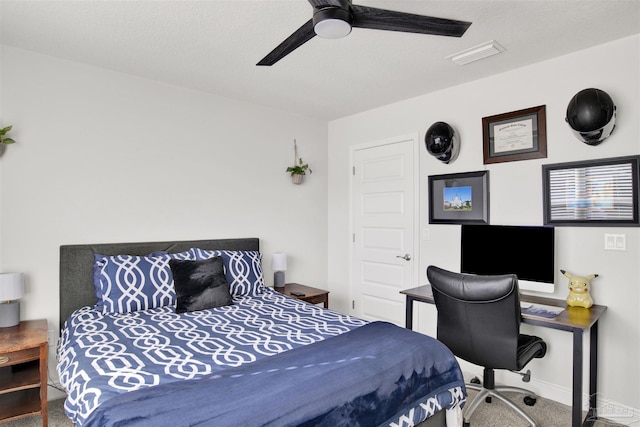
column 579, row 287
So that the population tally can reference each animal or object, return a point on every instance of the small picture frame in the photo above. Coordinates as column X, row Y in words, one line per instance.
column 518, row 135
column 459, row 198
column 602, row 192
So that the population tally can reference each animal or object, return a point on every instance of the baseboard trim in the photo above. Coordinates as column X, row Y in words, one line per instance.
column 617, row 412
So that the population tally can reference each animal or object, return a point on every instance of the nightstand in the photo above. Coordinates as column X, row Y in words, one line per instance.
column 311, row 295
column 23, row 371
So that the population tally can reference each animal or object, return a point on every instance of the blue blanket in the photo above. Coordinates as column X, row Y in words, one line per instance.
column 103, row 355
column 370, row 376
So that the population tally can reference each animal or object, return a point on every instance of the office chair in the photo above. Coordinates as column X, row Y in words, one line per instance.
column 479, row 320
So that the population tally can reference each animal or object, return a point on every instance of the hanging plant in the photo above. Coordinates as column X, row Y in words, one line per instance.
column 299, row 168
column 4, row 139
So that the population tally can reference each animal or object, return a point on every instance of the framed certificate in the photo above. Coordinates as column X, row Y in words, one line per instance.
column 518, row 135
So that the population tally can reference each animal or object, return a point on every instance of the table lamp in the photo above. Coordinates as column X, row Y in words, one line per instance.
column 11, row 289
column 279, row 266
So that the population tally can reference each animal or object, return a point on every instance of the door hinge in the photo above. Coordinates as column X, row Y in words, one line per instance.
column 353, row 238
column 353, row 304
column 354, row 171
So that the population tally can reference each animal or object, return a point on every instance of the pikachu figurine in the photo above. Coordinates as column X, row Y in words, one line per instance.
column 579, row 287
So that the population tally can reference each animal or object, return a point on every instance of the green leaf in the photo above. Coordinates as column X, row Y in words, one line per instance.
column 8, row 141
column 3, row 131
column 300, row 169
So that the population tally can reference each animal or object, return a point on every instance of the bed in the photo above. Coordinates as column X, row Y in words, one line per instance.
column 143, row 343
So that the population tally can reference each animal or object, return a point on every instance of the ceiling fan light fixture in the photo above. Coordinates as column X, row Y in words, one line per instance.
column 332, row 23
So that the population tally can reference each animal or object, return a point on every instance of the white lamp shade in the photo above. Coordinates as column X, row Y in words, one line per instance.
column 11, row 286
column 279, row 261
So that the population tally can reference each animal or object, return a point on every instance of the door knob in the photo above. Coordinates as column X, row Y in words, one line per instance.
column 405, row 257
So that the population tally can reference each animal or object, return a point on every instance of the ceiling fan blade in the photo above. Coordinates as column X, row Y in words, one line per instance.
column 382, row 19
column 291, row 43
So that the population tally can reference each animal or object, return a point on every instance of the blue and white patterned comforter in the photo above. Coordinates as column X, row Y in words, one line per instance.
column 101, row 356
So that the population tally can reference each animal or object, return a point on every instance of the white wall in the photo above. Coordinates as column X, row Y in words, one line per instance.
column 108, row 157
column 516, row 196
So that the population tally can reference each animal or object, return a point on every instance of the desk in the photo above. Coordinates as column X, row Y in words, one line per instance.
column 576, row 320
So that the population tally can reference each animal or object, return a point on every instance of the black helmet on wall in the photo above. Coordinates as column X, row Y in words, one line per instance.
column 442, row 142
column 592, row 116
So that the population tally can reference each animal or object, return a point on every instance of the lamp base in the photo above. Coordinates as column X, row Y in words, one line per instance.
column 9, row 314
column 278, row 279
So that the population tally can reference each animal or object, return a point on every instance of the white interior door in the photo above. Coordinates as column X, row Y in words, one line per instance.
column 384, row 257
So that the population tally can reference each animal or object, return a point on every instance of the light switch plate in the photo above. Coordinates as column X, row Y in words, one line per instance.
column 615, row 242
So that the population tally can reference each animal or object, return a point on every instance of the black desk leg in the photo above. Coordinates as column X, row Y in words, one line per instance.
column 408, row 319
column 576, row 407
column 592, row 414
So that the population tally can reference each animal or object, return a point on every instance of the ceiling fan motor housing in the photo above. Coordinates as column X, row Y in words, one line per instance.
column 332, row 22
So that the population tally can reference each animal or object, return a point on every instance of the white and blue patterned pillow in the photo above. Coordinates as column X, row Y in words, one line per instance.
column 242, row 268
column 97, row 269
column 126, row 283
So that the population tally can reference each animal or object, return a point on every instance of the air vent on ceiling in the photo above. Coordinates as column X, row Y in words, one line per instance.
column 476, row 53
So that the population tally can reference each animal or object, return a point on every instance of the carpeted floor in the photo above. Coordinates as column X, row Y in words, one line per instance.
column 57, row 418
column 546, row 413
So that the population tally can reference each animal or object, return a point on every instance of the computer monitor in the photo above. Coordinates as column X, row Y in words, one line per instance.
column 526, row 251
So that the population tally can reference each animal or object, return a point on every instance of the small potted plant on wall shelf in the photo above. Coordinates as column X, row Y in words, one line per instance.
column 299, row 169
column 4, row 139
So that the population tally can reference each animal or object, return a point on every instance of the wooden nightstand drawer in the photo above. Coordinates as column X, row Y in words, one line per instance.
column 20, row 356
column 317, row 299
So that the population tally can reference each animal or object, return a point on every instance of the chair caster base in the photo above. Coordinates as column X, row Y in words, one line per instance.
column 529, row 401
column 476, row 380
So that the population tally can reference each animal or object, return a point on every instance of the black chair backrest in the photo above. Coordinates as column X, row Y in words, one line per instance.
column 478, row 316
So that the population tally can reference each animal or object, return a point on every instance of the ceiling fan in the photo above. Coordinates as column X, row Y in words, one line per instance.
column 335, row 18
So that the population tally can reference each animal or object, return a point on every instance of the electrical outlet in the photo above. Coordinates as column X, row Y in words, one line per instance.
column 51, row 337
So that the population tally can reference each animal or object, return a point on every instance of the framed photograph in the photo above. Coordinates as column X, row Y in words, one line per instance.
column 601, row 192
column 518, row 135
column 459, row 198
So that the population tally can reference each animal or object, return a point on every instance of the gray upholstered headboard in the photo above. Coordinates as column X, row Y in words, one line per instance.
column 76, row 264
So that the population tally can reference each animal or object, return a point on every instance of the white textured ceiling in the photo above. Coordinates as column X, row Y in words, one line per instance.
column 213, row 45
